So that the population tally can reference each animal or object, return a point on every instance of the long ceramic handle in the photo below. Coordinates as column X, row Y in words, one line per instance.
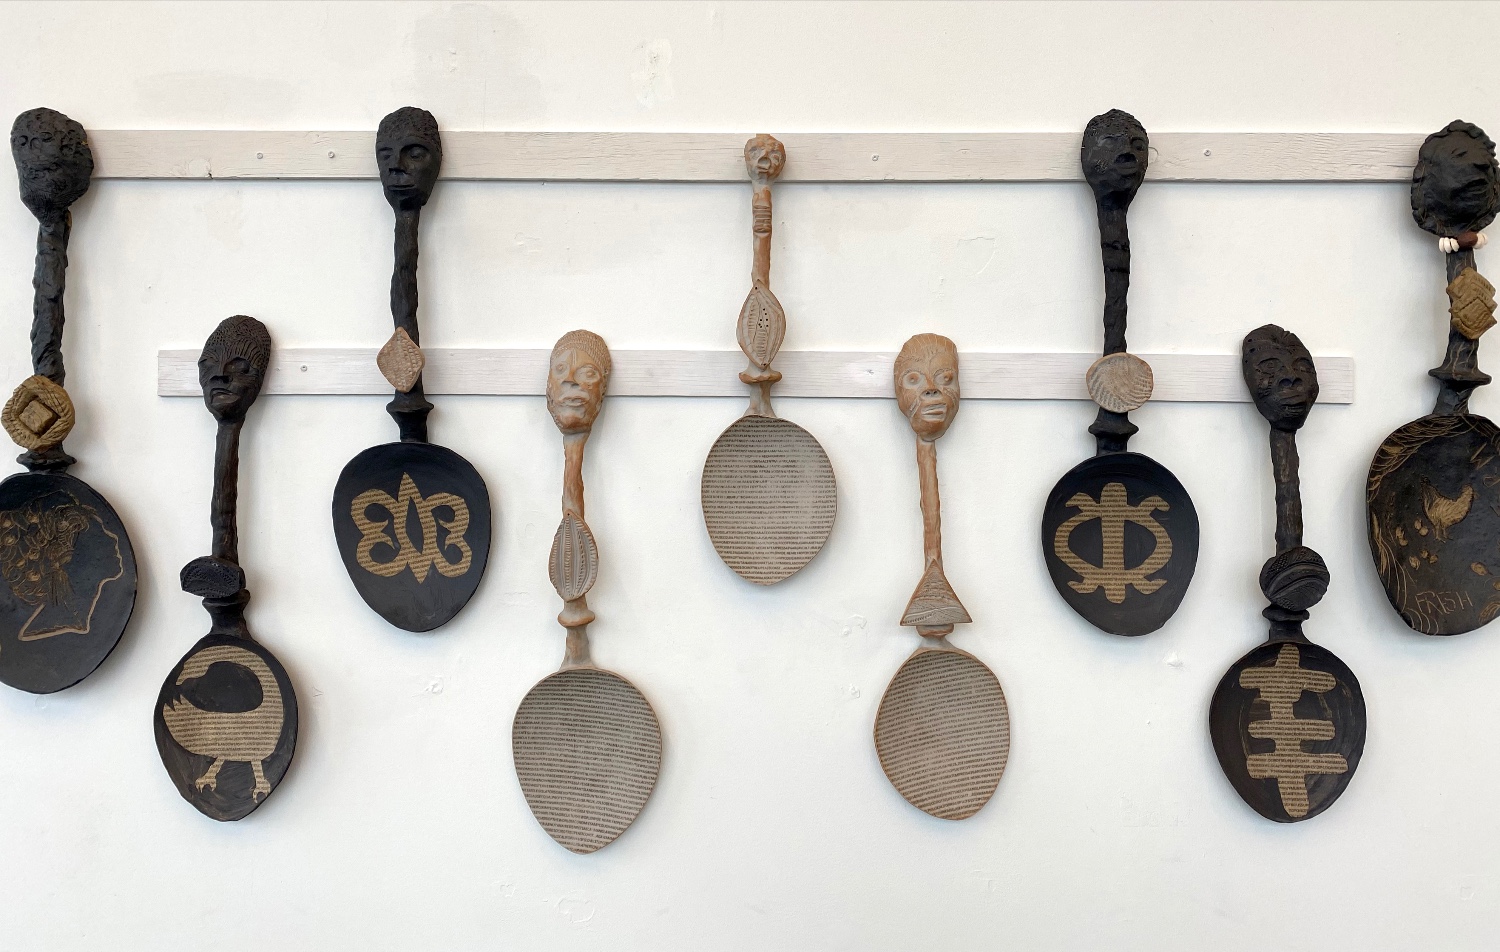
column 762, row 323
column 410, row 406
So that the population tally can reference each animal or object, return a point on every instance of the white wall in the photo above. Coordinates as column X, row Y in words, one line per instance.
column 401, row 825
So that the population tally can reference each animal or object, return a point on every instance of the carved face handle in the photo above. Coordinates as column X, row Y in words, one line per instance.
column 409, row 152
column 233, row 367
column 577, row 376
column 1114, row 155
column 926, row 377
column 764, row 155
column 53, row 161
column 1455, row 187
column 1281, row 376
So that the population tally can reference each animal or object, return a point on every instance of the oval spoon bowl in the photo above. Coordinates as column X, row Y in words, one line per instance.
column 1288, row 763
column 587, row 748
column 1432, row 494
column 1120, row 539
column 69, row 581
column 424, row 542
column 769, row 498
column 943, row 732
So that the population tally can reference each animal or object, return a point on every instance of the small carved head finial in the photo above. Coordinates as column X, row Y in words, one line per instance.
column 233, row 367
column 764, row 155
column 409, row 152
column 1114, row 154
column 927, row 384
column 53, row 161
column 577, row 376
column 1455, row 187
column 1281, row 376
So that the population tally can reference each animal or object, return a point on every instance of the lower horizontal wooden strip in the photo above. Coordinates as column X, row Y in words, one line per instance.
column 1192, row 378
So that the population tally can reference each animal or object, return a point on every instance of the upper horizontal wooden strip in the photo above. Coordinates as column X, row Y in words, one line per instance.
column 711, row 373
column 718, row 156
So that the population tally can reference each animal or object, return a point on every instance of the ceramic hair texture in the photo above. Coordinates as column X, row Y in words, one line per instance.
column 591, row 344
column 239, row 336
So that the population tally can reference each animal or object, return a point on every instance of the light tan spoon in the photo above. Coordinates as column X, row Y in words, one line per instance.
column 769, row 497
column 943, row 728
column 586, row 742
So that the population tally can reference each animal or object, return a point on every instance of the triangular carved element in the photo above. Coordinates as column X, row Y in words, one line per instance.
column 933, row 604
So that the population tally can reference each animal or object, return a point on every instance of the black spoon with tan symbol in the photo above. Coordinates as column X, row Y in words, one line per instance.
column 226, row 717
column 1288, row 719
column 1119, row 533
column 412, row 518
column 769, row 497
column 68, row 566
column 943, row 729
column 586, row 742
column 1433, row 494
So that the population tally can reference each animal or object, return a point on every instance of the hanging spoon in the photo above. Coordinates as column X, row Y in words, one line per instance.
column 1433, row 495
column 586, row 742
column 226, row 717
column 1288, row 719
column 769, row 496
column 1119, row 533
column 67, row 563
column 412, row 519
column 943, row 730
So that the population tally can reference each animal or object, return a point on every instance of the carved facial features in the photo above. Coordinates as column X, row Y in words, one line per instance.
column 577, row 376
column 927, row 384
column 764, row 155
column 410, row 155
column 233, row 366
column 1114, row 156
column 1456, row 185
column 53, row 161
column 1280, row 374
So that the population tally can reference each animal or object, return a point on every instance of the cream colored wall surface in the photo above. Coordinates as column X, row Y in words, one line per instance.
column 401, row 824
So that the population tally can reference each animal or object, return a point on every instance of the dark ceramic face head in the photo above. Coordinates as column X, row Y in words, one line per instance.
column 1456, row 185
column 410, row 155
column 53, row 161
column 233, row 366
column 577, row 375
column 1281, row 376
column 927, row 384
column 1114, row 156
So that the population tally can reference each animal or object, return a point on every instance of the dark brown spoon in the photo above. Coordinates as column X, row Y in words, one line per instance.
column 412, row 518
column 1119, row 532
column 1433, row 495
column 586, row 742
column 226, row 717
column 1288, row 719
column 943, row 728
column 66, row 560
column 769, row 497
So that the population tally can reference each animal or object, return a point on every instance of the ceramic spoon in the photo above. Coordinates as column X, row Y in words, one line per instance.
column 586, row 742
column 226, row 717
column 1119, row 533
column 769, row 496
column 943, row 729
column 1288, row 719
column 68, row 566
column 1433, row 494
column 412, row 519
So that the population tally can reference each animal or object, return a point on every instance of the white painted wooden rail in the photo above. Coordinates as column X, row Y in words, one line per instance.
column 715, row 373
column 718, row 156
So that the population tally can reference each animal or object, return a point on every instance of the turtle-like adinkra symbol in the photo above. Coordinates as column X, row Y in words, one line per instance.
column 1113, row 510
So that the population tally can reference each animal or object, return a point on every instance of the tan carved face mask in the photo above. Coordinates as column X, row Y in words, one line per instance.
column 927, row 384
column 576, row 378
